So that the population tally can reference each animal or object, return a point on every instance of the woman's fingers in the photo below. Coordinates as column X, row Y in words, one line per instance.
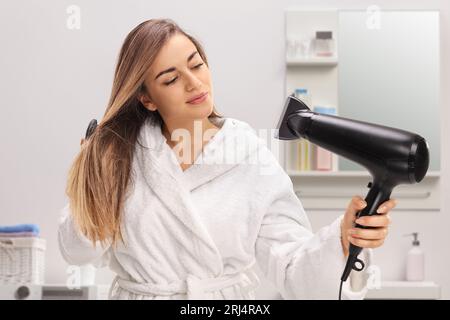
column 385, row 207
column 374, row 221
column 382, row 219
column 81, row 142
column 374, row 237
column 356, row 204
column 363, row 243
column 369, row 234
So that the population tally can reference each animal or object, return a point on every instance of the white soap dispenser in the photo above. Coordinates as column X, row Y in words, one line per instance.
column 415, row 261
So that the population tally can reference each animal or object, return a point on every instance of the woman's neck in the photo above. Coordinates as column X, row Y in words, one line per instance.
column 188, row 139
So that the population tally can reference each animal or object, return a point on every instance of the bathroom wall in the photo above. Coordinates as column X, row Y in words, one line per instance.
column 54, row 80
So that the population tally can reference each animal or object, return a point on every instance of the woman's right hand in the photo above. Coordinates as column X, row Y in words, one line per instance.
column 82, row 141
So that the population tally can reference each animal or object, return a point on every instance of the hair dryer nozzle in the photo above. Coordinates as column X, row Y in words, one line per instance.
column 420, row 160
column 291, row 106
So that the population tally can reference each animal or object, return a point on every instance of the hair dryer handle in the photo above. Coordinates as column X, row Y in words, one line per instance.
column 378, row 194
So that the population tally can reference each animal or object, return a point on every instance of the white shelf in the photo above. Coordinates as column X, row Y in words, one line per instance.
column 405, row 290
column 314, row 61
column 330, row 190
column 328, row 174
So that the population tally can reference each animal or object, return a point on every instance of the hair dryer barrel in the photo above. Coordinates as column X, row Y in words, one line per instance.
column 380, row 149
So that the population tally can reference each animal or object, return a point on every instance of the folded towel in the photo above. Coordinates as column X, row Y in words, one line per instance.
column 20, row 228
column 18, row 234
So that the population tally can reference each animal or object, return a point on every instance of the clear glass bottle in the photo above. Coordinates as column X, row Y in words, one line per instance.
column 291, row 47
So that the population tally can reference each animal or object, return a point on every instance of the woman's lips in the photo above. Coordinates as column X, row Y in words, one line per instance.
column 200, row 99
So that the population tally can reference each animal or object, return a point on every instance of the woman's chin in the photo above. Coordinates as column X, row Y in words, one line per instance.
column 203, row 108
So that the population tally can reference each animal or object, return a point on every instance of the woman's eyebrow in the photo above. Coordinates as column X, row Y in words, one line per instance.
column 173, row 68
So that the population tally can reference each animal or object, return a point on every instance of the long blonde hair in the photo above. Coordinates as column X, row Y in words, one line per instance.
column 99, row 177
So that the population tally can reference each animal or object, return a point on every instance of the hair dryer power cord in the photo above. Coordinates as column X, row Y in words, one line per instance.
column 351, row 265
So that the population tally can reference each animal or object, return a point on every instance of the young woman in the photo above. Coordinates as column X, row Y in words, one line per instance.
column 190, row 220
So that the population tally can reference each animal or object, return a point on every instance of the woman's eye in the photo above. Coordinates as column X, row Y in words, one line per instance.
column 172, row 81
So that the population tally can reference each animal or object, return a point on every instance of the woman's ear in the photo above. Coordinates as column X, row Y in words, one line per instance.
column 147, row 102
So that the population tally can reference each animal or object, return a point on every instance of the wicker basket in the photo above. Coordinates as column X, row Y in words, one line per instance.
column 22, row 260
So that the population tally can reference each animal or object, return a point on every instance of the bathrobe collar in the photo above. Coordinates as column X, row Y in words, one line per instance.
column 233, row 144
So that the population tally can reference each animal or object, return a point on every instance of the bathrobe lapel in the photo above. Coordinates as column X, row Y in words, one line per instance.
column 159, row 173
column 235, row 143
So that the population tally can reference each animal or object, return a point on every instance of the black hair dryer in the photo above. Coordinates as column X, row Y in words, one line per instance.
column 392, row 156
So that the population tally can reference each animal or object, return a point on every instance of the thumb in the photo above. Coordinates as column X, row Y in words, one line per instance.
column 356, row 204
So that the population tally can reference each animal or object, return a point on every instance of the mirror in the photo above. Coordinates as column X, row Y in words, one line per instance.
column 389, row 73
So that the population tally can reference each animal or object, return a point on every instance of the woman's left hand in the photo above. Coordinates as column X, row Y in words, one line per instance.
column 365, row 238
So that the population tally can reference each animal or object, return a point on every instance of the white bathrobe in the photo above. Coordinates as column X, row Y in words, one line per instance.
column 198, row 233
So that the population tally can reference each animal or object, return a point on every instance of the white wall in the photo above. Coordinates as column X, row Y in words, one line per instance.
column 54, row 80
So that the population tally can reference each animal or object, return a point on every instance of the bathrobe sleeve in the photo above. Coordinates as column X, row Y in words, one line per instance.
column 75, row 247
column 302, row 264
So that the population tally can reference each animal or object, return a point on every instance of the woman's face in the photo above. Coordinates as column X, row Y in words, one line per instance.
column 177, row 75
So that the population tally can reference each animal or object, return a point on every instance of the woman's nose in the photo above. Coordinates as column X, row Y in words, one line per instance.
column 192, row 82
